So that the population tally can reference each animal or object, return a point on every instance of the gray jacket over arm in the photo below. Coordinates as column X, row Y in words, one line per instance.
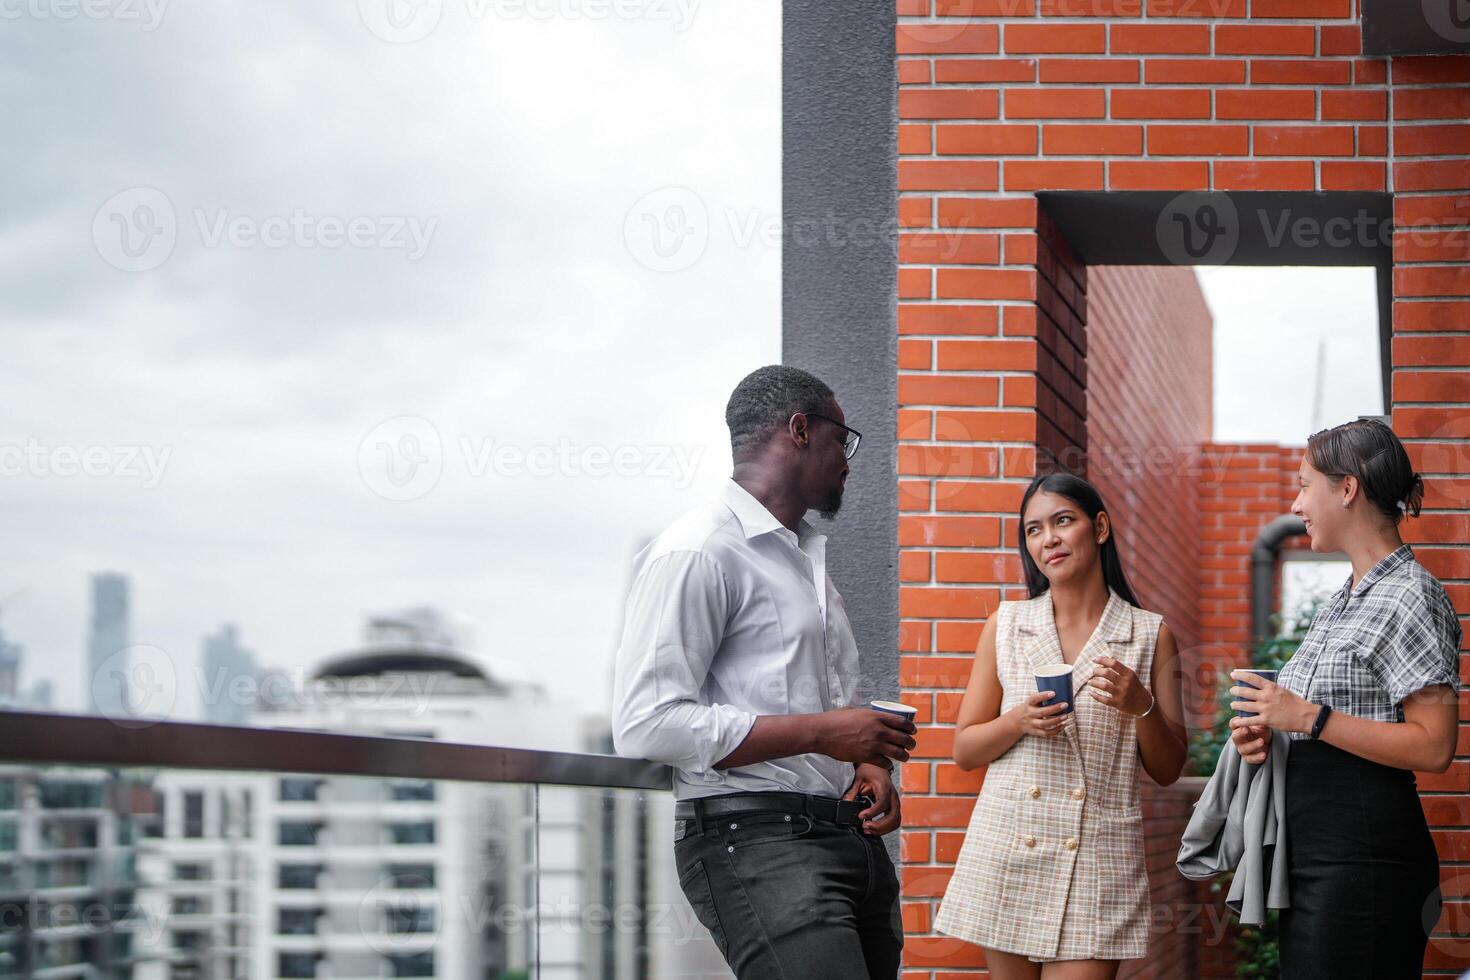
column 1241, row 814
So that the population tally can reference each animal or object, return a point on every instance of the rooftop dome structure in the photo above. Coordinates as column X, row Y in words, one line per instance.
column 422, row 641
column 400, row 659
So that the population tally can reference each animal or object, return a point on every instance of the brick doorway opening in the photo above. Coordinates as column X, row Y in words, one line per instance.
column 1098, row 362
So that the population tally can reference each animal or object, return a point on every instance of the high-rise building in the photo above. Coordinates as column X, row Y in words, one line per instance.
column 12, row 693
column 270, row 876
column 9, row 671
column 105, row 686
column 226, row 664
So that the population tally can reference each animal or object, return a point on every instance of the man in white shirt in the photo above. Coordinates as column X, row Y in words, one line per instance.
column 739, row 669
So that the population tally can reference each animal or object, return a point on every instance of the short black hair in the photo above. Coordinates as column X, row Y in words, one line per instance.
column 1370, row 451
column 766, row 398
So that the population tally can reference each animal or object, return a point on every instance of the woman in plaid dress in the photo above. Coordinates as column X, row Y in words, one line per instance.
column 1370, row 696
column 1051, row 879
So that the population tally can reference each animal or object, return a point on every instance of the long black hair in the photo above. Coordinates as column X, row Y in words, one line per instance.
column 1085, row 496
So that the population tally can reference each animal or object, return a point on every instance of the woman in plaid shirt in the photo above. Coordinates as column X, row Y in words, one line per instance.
column 1370, row 696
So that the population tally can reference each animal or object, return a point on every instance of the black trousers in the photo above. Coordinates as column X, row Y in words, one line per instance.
column 1363, row 871
column 792, row 897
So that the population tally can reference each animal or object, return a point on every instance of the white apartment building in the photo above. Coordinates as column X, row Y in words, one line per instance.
column 66, row 874
column 265, row 876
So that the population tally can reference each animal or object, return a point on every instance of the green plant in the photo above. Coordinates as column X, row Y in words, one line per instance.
column 1271, row 654
column 1258, row 950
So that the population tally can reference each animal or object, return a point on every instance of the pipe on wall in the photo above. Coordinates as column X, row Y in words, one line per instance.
column 1265, row 553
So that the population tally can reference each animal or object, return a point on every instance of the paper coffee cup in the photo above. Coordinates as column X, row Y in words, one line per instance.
column 1270, row 675
column 1056, row 678
column 904, row 711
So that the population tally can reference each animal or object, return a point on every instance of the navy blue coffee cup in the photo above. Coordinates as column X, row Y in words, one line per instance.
column 1056, row 678
column 1270, row 675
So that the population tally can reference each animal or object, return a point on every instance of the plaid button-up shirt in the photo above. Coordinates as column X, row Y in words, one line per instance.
column 1373, row 644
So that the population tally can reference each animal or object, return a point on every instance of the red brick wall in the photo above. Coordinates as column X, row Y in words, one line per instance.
column 1149, row 408
column 1061, row 319
column 1002, row 98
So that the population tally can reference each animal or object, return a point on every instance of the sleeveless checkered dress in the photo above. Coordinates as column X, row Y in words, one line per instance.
column 1052, row 866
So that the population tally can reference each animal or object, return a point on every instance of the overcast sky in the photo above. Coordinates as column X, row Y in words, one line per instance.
column 1268, row 324
column 345, row 309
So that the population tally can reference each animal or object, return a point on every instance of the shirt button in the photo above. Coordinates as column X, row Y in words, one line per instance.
column 1071, row 844
column 1029, row 841
column 1078, row 793
column 1034, row 792
column 734, row 826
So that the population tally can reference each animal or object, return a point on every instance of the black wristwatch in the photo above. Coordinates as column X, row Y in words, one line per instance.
column 1321, row 720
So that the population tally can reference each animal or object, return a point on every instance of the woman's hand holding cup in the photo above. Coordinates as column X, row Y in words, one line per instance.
column 1036, row 717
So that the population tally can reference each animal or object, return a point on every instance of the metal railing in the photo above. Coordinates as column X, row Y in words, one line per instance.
column 45, row 738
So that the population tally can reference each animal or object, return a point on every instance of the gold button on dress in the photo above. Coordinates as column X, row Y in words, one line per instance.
column 1087, row 898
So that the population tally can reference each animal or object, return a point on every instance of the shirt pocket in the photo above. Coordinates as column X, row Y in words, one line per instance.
column 1342, row 678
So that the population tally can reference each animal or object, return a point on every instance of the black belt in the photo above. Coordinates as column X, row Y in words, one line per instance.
column 842, row 812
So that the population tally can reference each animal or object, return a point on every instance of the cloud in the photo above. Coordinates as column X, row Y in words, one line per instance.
column 526, row 321
column 1268, row 322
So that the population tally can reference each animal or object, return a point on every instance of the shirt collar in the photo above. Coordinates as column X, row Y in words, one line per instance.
column 1385, row 565
column 753, row 516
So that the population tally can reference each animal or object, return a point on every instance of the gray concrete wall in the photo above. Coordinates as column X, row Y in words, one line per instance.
column 840, row 283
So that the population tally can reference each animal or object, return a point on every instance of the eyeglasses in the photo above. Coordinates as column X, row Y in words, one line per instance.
column 849, row 441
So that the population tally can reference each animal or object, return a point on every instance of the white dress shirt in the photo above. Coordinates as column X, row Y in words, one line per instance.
column 731, row 616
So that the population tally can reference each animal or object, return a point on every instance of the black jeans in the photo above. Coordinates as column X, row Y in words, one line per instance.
column 790, row 897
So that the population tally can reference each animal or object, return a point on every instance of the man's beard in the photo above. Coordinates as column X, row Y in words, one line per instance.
column 832, row 504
